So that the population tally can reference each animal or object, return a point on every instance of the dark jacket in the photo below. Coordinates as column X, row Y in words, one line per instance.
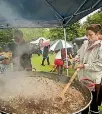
column 45, row 51
column 23, row 52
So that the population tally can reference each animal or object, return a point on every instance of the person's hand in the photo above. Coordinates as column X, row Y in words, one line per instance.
column 76, row 59
column 80, row 66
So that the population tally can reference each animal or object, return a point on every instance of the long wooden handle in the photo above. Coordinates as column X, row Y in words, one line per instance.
column 69, row 83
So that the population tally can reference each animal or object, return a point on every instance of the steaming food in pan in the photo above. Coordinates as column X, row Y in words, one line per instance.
column 32, row 93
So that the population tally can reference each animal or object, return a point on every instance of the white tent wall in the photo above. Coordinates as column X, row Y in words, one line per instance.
column 37, row 41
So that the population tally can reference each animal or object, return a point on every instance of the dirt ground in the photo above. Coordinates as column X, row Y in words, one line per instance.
column 32, row 93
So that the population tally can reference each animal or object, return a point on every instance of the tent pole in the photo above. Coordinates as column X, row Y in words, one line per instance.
column 66, row 49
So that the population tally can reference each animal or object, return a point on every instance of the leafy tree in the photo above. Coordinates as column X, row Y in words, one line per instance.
column 6, row 36
column 72, row 31
column 95, row 18
column 33, row 33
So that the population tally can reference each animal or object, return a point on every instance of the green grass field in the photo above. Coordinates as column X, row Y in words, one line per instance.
column 36, row 63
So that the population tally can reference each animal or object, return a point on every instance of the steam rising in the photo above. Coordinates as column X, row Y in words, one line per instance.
column 13, row 84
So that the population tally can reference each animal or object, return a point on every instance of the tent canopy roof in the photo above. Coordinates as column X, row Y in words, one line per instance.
column 44, row 13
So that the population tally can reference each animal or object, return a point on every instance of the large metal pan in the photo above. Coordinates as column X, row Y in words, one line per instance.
column 9, row 78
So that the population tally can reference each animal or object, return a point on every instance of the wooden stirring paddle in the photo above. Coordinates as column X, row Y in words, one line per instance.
column 61, row 96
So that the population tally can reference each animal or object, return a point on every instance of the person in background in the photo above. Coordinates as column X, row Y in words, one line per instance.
column 75, row 49
column 21, row 52
column 90, row 65
column 69, row 56
column 5, row 60
column 45, row 45
column 59, row 62
column 45, row 55
column 2, row 57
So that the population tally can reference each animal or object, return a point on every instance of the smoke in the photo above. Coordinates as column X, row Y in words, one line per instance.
column 22, row 55
column 11, row 84
column 29, row 85
column 19, row 83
